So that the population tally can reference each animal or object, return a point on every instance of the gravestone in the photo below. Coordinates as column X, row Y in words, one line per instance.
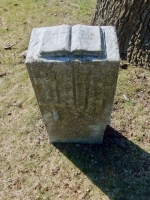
column 74, row 73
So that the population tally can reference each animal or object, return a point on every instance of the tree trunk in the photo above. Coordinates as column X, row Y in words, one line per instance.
column 132, row 21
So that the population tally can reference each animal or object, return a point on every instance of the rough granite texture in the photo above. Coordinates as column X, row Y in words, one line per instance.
column 74, row 72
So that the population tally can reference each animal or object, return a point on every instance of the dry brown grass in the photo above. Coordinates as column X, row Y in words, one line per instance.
column 30, row 167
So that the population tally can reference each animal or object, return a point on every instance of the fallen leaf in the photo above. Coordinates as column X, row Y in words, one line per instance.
column 16, row 4
column 8, row 46
column 2, row 74
column 125, row 97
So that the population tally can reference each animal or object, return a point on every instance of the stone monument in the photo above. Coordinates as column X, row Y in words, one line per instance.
column 74, row 70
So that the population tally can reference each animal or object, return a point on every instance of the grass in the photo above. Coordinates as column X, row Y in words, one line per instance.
column 30, row 167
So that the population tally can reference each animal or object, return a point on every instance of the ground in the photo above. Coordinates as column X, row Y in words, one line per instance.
column 30, row 167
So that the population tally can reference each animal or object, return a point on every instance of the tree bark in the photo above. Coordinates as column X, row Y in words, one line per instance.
column 132, row 21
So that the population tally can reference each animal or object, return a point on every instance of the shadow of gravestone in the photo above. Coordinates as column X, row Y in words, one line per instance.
column 121, row 173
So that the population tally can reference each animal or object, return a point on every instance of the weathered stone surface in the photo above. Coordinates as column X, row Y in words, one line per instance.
column 74, row 91
column 56, row 41
column 86, row 40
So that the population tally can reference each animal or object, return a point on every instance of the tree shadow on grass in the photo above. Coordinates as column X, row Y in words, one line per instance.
column 121, row 173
